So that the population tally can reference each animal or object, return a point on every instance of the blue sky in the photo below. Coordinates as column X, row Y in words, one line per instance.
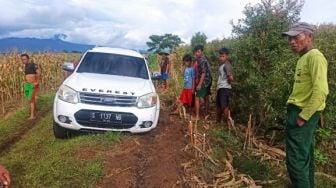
column 128, row 23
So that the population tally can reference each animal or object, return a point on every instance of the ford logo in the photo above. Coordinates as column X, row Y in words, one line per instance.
column 109, row 99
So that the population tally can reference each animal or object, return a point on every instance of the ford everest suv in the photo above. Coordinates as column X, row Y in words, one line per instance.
column 110, row 90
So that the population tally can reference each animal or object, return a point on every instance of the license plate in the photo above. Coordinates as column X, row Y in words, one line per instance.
column 106, row 117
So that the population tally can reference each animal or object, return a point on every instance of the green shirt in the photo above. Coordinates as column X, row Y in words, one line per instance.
column 310, row 88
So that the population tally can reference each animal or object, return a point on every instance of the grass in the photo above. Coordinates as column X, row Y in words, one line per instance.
column 243, row 161
column 321, row 181
column 40, row 160
column 252, row 166
column 10, row 126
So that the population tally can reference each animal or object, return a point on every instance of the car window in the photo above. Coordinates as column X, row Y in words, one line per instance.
column 113, row 64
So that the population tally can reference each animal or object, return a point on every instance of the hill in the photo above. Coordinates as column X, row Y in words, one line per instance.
column 38, row 45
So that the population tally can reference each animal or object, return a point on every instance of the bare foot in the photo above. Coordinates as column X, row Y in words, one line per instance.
column 194, row 118
column 32, row 118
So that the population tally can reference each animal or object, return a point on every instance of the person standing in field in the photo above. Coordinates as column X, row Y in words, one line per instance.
column 305, row 103
column 225, row 77
column 32, row 75
column 164, row 66
column 186, row 96
column 5, row 178
column 196, row 81
column 204, row 82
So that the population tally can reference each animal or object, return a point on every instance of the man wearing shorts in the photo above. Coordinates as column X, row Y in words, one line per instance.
column 225, row 78
column 204, row 81
column 164, row 68
column 32, row 75
column 188, row 77
column 186, row 97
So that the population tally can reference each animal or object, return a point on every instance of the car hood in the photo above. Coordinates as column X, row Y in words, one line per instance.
column 108, row 84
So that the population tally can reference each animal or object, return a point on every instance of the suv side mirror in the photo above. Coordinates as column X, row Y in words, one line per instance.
column 68, row 66
column 156, row 76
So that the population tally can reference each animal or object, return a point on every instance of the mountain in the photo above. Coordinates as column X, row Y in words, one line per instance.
column 40, row 45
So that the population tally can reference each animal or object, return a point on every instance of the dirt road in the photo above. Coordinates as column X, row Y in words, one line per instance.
column 149, row 160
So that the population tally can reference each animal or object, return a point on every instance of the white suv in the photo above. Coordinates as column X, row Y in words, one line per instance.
column 110, row 90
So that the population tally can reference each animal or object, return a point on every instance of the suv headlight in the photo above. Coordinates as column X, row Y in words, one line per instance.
column 67, row 94
column 147, row 101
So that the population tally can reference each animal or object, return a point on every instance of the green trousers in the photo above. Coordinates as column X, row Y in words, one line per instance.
column 300, row 143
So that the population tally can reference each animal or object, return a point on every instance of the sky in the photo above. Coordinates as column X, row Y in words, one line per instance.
column 129, row 23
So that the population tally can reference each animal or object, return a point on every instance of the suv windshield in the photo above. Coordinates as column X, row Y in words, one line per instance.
column 113, row 64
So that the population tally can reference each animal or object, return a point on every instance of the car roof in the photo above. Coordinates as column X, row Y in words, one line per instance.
column 120, row 51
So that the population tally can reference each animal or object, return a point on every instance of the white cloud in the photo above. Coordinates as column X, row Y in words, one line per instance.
column 317, row 12
column 129, row 23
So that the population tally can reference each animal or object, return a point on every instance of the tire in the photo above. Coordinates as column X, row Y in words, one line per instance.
column 60, row 132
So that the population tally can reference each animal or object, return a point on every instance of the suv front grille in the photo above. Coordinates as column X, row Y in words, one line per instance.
column 107, row 100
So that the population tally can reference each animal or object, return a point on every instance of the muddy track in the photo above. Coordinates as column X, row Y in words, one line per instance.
column 149, row 160
column 25, row 127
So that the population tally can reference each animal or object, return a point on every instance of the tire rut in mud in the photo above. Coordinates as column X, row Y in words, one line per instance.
column 149, row 160
column 25, row 127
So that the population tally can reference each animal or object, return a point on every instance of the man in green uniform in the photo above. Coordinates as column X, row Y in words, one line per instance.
column 305, row 104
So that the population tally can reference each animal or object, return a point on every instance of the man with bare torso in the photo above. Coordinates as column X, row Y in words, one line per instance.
column 32, row 76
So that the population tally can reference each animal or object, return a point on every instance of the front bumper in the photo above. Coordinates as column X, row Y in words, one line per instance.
column 77, row 117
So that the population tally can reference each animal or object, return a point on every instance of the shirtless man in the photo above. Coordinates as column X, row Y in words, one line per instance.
column 32, row 74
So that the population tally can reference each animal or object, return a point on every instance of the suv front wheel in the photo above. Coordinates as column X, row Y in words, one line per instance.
column 61, row 132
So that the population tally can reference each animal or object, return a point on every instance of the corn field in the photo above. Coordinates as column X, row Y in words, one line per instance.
column 12, row 75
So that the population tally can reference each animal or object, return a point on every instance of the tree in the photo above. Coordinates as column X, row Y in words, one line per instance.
column 265, row 66
column 198, row 39
column 159, row 42
column 325, row 41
